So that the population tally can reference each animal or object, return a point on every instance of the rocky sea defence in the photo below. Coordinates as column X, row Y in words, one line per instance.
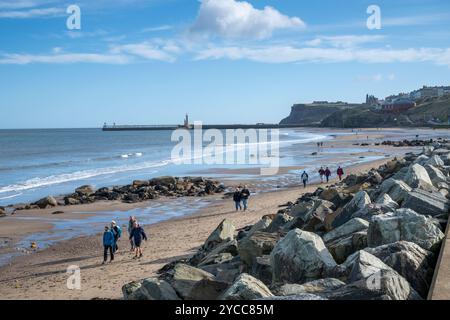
column 375, row 235
column 138, row 191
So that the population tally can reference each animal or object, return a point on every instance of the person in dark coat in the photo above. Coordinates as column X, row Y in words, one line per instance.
column 340, row 173
column 327, row 174
column 137, row 234
column 108, row 244
column 237, row 199
column 245, row 194
column 321, row 174
column 305, row 178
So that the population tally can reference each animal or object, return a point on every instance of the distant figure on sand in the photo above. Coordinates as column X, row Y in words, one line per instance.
column 237, row 199
column 305, row 178
column 327, row 174
column 321, row 173
column 340, row 173
column 130, row 228
column 117, row 232
column 245, row 194
column 108, row 244
column 137, row 234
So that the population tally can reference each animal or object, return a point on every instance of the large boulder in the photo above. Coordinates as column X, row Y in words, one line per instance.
column 346, row 229
column 347, row 239
column 417, row 177
column 300, row 257
column 247, row 287
column 427, row 203
column 149, row 289
column 383, row 285
column 208, row 289
column 410, row 261
column 163, row 181
column 86, row 190
column 406, row 225
column 314, row 287
column 435, row 161
column 341, row 248
column 261, row 225
column 396, row 189
column 223, row 233
column 46, row 202
column 359, row 265
column 435, row 174
column 257, row 245
column 280, row 220
column 183, row 278
column 386, row 201
column 359, row 202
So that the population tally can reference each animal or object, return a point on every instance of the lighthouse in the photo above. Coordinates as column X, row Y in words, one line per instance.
column 186, row 121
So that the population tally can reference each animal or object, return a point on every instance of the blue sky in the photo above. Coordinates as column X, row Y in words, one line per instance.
column 227, row 61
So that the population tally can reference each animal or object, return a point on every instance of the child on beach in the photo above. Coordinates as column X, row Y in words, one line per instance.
column 137, row 234
column 108, row 244
column 237, row 199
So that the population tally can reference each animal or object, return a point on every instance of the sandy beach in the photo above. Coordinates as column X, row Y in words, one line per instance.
column 42, row 274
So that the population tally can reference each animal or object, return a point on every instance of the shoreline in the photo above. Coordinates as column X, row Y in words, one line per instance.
column 42, row 275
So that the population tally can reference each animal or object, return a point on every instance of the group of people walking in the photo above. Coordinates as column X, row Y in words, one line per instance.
column 113, row 233
column 240, row 198
column 324, row 174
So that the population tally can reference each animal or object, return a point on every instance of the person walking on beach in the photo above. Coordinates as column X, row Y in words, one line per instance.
column 327, row 174
column 321, row 173
column 108, row 244
column 237, row 199
column 245, row 194
column 130, row 228
column 305, row 178
column 340, row 173
column 117, row 232
column 137, row 234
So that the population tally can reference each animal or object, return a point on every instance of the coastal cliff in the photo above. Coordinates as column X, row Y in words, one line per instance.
column 313, row 114
column 427, row 112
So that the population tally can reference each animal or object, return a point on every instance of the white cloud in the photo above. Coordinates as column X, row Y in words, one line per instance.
column 345, row 41
column 149, row 50
column 65, row 58
column 375, row 77
column 31, row 13
column 158, row 28
column 239, row 19
column 290, row 54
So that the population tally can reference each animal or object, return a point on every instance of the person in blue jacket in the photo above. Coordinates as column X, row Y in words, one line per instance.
column 108, row 244
column 137, row 234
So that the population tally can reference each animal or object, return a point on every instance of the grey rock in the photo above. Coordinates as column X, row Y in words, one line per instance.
column 258, row 244
column 300, row 257
column 359, row 201
column 410, row 261
column 342, row 248
column 149, row 289
column 261, row 225
column 183, row 278
column 46, row 202
column 208, row 289
column 435, row 161
column 350, row 227
column 417, row 177
column 280, row 220
column 247, row 287
column 223, row 233
column 406, row 225
column 386, row 200
column 313, row 287
column 426, row 203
